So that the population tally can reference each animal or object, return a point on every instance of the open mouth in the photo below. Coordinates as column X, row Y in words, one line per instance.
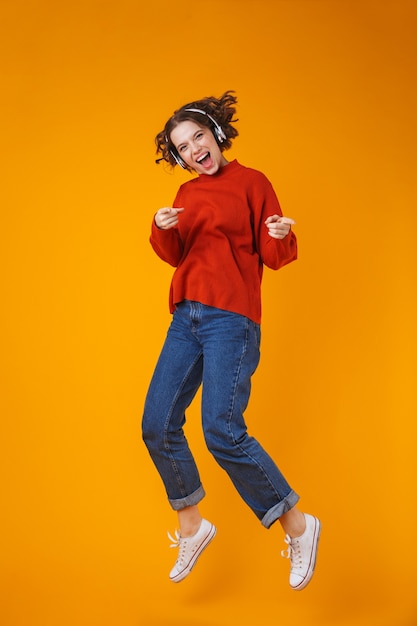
column 203, row 158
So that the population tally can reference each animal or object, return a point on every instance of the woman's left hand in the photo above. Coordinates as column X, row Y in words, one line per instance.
column 278, row 226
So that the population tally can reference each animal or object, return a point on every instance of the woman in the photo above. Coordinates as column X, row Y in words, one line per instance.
column 224, row 225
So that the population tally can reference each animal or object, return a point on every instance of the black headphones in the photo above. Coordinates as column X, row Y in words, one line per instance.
column 219, row 134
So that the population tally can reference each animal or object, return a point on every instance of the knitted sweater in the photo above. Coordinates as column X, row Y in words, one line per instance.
column 221, row 243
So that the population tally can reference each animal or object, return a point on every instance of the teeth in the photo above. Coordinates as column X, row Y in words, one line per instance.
column 201, row 158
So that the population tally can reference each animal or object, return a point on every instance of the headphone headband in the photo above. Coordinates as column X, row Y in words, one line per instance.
column 220, row 134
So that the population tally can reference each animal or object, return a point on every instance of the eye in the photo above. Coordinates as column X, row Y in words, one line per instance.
column 199, row 135
column 181, row 148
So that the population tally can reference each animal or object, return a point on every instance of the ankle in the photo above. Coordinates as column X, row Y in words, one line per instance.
column 189, row 520
column 189, row 530
column 293, row 523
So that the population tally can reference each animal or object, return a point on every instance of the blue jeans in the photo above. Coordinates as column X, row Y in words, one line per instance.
column 219, row 350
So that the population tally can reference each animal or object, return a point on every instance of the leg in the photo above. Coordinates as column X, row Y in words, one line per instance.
column 229, row 362
column 174, row 384
column 231, row 355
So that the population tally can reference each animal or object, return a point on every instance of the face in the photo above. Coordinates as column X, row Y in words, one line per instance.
column 197, row 146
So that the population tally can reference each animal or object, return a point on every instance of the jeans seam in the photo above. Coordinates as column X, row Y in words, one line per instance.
column 233, row 397
column 231, row 410
column 166, row 424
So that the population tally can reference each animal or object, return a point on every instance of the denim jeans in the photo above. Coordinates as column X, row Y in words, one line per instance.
column 219, row 350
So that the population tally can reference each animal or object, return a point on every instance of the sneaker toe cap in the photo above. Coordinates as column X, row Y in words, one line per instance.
column 296, row 580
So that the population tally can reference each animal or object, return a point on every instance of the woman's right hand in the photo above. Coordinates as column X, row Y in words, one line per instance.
column 167, row 217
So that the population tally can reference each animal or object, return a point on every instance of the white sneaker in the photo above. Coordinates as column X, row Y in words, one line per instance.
column 190, row 549
column 303, row 552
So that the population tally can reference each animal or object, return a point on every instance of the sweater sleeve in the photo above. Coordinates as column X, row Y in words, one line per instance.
column 274, row 253
column 167, row 243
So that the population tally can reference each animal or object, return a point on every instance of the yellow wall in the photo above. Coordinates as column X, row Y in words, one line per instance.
column 327, row 93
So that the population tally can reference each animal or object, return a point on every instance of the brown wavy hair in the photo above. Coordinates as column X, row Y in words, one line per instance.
column 222, row 110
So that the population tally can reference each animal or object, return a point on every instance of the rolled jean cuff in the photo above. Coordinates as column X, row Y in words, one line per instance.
column 279, row 509
column 193, row 498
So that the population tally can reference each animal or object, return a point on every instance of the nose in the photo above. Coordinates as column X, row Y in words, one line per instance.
column 195, row 147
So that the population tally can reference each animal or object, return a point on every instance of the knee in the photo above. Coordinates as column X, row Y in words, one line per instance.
column 218, row 443
column 223, row 442
column 151, row 435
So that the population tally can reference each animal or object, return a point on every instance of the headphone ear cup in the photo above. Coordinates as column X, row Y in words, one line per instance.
column 220, row 134
column 178, row 160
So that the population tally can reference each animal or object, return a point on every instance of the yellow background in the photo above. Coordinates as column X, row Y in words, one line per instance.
column 327, row 109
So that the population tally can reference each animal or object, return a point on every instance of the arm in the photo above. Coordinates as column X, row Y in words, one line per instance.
column 276, row 243
column 165, row 237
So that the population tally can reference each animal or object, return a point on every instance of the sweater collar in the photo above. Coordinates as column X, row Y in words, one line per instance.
column 221, row 173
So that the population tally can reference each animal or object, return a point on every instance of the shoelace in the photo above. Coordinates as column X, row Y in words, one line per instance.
column 175, row 542
column 180, row 543
column 293, row 552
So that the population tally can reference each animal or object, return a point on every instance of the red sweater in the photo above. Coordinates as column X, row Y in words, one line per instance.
column 221, row 243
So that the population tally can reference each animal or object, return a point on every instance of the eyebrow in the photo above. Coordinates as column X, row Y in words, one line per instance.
column 184, row 143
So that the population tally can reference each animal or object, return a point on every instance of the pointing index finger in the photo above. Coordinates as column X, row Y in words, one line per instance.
column 286, row 220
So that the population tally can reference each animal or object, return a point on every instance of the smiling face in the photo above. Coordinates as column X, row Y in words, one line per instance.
column 197, row 146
